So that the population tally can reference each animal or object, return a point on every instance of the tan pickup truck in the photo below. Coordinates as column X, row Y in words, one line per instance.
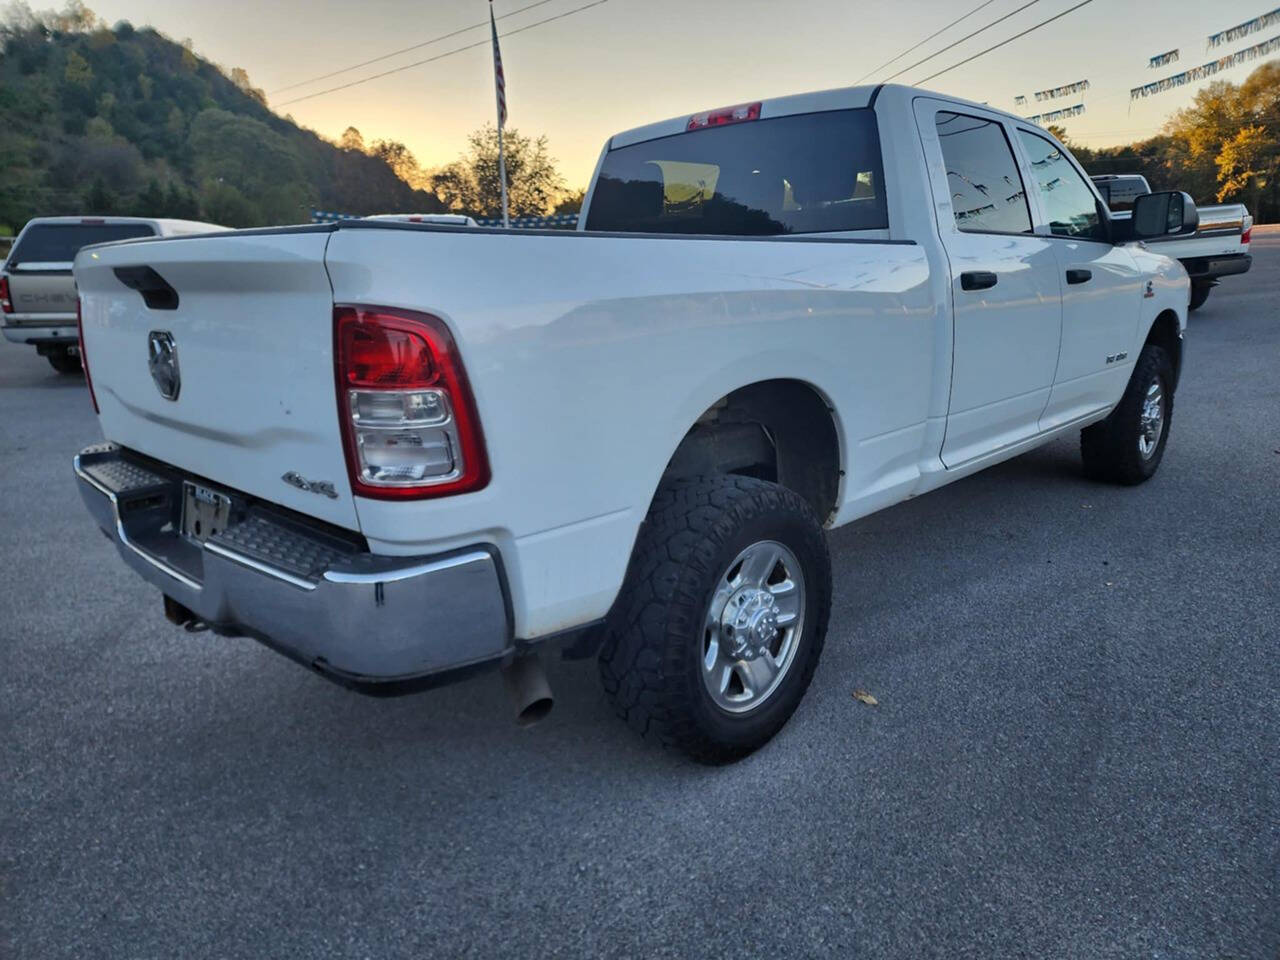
column 37, row 290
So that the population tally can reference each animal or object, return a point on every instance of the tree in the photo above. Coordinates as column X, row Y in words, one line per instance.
column 78, row 73
column 1224, row 143
column 1246, row 163
column 74, row 18
column 150, row 202
column 471, row 183
column 100, row 200
column 351, row 139
column 240, row 77
column 180, row 204
column 401, row 161
column 572, row 202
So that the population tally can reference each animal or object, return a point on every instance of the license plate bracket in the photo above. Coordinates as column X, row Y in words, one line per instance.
column 205, row 512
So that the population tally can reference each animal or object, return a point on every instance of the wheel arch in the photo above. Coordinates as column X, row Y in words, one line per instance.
column 782, row 429
column 1166, row 332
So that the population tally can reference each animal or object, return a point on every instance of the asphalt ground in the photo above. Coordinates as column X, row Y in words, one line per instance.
column 1076, row 751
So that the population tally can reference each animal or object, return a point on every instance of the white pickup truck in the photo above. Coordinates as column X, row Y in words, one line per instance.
column 1218, row 248
column 37, row 291
column 399, row 453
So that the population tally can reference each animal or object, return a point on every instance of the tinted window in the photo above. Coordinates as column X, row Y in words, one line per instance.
column 986, row 190
column 1120, row 193
column 60, row 242
column 809, row 173
column 1070, row 204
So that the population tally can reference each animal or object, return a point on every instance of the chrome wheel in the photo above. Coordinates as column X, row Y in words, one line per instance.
column 1151, row 421
column 753, row 626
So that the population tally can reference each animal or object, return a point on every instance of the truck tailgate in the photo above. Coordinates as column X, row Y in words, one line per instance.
column 252, row 332
column 42, row 294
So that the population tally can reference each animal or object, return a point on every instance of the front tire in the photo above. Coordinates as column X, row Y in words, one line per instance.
column 722, row 620
column 1199, row 294
column 1128, row 446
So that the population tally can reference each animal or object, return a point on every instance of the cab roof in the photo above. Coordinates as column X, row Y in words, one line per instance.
column 840, row 98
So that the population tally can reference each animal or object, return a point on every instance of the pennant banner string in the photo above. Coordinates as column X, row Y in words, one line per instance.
column 1242, row 30
column 1052, row 115
column 1206, row 69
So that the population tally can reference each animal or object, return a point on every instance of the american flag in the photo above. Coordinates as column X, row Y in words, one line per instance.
column 499, row 80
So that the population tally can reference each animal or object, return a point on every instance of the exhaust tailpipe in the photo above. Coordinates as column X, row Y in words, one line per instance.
column 527, row 686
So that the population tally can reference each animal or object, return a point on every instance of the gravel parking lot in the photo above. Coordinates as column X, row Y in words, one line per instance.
column 1076, row 751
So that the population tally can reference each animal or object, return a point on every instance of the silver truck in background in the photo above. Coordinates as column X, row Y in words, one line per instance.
column 1219, row 247
column 37, row 290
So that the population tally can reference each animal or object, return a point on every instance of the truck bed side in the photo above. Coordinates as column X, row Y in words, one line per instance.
column 593, row 356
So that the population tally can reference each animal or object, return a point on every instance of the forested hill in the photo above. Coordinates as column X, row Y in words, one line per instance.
column 113, row 120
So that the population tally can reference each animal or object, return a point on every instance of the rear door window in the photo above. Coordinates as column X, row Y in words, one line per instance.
column 987, row 195
column 808, row 173
column 60, row 242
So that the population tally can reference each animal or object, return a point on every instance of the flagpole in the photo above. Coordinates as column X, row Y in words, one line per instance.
column 502, row 173
column 497, row 97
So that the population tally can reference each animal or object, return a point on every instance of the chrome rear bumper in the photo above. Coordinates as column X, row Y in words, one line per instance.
column 372, row 622
column 36, row 335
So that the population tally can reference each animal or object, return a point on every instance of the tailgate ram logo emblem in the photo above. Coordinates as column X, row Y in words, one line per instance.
column 162, row 359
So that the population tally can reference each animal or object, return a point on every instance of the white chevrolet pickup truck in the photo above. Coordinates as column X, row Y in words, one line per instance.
column 400, row 453
column 1218, row 248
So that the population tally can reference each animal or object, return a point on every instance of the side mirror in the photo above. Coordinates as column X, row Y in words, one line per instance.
column 1159, row 215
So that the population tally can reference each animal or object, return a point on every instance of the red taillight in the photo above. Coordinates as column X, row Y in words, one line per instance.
column 718, row 118
column 393, row 353
column 408, row 419
column 84, row 357
column 6, row 304
column 1244, row 237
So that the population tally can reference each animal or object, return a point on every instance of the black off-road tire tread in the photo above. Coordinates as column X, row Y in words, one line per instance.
column 642, row 661
column 1109, row 448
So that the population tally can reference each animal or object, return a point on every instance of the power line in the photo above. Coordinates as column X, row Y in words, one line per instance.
column 923, row 42
column 416, row 46
column 1003, row 42
column 441, row 56
column 963, row 39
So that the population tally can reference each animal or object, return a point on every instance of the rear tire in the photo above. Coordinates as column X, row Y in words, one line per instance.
column 720, row 624
column 1199, row 294
column 1128, row 446
column 64, row 361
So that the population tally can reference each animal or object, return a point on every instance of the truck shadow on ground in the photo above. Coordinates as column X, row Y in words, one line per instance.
column 994, row 516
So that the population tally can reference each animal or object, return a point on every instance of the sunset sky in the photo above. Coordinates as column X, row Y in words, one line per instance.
column 627, row 62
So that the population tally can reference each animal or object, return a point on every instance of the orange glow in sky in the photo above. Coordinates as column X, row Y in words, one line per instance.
column 627, row 62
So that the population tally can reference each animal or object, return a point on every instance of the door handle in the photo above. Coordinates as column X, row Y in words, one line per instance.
column 1079, row 276
column 977, row 280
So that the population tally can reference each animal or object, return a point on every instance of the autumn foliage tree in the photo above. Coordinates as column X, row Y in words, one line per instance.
column 1223, row 147
column 471, row 183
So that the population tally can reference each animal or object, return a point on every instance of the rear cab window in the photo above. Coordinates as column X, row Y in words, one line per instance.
column 807, row 173
column 1121, row 192
column 60, row 242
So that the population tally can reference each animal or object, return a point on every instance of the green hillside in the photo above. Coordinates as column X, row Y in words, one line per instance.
column 113, row 120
